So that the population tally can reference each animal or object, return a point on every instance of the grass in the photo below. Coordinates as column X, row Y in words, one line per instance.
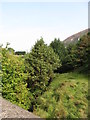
column 66, row 97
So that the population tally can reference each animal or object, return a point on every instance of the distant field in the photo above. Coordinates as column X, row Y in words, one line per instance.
column 66, row 97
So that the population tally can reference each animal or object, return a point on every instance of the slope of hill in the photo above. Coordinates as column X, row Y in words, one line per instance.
column 74, row 38
column 66, row 97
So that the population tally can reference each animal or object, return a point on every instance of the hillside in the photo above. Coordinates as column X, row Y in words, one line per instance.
column 74, row 38
column 66, row 97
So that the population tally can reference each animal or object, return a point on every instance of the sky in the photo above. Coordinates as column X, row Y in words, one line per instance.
column 23, row 23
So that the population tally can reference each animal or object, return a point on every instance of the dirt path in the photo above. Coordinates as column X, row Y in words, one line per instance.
column 9, row 110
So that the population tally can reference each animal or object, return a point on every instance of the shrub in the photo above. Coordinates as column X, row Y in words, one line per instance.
column 14, row 86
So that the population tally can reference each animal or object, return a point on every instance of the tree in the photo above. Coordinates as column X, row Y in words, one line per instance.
column 59, row 48
column 0, row 70
column 14, row 86
column 40, row 64
column 11, row 50
column 83, row 52
column 61, row 51
column 78, row 54
column 20, row 53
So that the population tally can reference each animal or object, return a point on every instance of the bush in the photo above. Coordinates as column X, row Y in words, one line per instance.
column 14, row 86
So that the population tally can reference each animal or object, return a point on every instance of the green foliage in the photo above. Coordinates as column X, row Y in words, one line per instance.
column 83, row 52
column 11, row 50
column 31, row 83
column 69, row 61
column 20, row 53
column 65, row 55
column 77, row 56
column 40, row 64
column 59, row 49
column 14, row 86
column 66, row 97
column 0, row 71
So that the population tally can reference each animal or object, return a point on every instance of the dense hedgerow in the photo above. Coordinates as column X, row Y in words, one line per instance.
column 14, row 86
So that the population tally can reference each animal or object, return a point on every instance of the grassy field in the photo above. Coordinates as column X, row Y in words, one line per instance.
column 66, row 97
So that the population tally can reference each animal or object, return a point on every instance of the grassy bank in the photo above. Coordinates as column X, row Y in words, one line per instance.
column 66, row 97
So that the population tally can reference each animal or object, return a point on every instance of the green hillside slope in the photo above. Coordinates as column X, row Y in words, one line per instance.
column 66, row 97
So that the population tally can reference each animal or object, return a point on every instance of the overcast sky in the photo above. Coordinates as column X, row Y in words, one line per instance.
column 25, row 22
